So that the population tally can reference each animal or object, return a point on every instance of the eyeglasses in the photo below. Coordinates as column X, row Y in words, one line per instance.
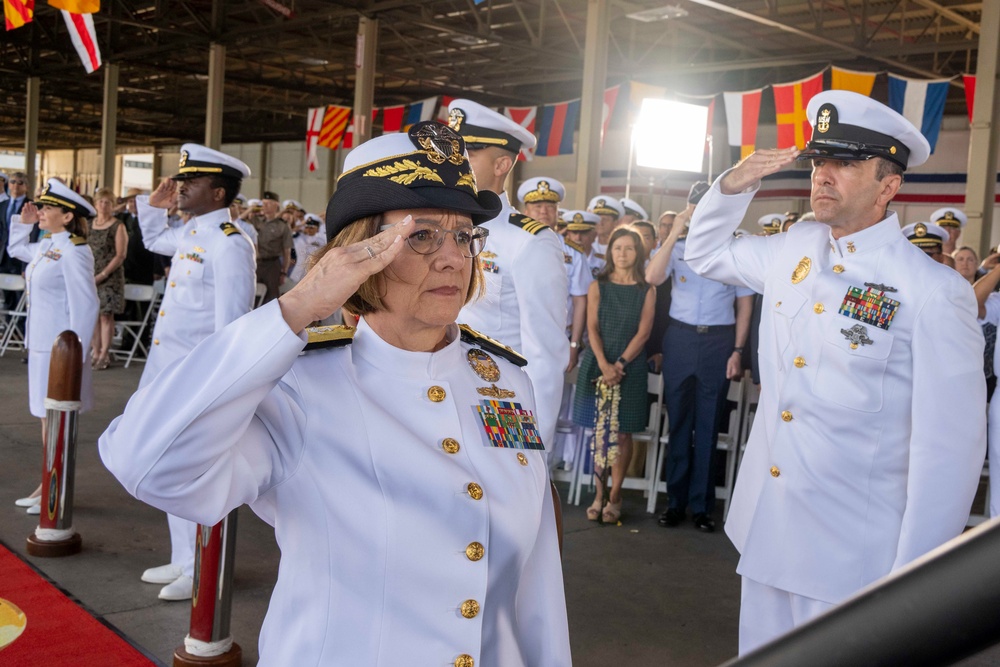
column 18, row 182
column 428, row 240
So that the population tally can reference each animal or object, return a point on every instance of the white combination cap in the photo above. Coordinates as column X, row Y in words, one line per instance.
column 604, row 205
column 632, row 207
column 949, row 216
column 197, row 161
column 541, row 189
column 481, row 127
column 57, row 193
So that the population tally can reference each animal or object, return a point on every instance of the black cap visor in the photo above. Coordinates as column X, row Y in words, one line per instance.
column 371, row 196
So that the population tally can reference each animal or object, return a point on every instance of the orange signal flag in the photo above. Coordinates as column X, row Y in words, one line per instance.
column 846, row 79
column 334, row 123
column 77, row 6
column 790, row 102
column 18, row 12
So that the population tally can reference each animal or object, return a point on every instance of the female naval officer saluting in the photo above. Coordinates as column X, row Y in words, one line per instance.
column 400, row 463
column 61, row 290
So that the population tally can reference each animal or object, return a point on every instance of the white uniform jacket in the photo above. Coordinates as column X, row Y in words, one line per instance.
column 405, row 540
column 305, row 246
column 61, row 295
column 868, row 444
column 525, row 305
column 212, row 280
column 578, row 275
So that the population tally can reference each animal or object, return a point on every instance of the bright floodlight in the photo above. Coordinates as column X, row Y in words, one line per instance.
column 670, row 135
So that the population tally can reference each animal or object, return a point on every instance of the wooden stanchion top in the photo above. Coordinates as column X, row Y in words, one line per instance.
column 66, row 368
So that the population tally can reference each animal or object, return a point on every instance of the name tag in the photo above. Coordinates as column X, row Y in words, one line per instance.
column 506, row 424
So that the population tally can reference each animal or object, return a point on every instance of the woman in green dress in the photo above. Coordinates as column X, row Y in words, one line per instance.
column 620, row 309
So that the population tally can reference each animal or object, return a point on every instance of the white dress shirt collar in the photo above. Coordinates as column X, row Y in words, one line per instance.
column 369, row 347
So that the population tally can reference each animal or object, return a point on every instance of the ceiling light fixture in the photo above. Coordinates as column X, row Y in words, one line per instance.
column 659, row 14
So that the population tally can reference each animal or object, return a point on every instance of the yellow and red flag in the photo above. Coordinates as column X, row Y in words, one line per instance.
column 334, row 123
column 77, row 6
column 790, row 102
column 18, row 12
column 856, row 82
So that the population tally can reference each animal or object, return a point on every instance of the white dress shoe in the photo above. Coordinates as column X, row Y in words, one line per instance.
column 34, row 509
column 164, row 574
column 180, row 589
column 29, row 501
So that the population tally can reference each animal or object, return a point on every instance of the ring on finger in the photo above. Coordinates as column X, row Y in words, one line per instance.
column 371, row 253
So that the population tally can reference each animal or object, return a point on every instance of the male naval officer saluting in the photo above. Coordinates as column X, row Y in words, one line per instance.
column 847, row 475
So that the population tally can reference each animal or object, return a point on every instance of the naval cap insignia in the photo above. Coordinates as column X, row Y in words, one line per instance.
column 920, row 230
column 578, row 218
column 455, row 118
column 483, row 365
column 823, row 121
column 439, row 142
column 543, row 186
column 184, row 159
column 949, row 215
column 600, row 202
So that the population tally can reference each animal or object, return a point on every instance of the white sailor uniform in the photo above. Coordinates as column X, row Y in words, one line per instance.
column 525, row 303
column 61, row 295
column 406, row 538
column 993, row 317
column 212, row 282
column 848, row 475
column 578, row 274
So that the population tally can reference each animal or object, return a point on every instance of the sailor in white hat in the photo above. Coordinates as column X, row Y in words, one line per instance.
column 60, row 290
column 928, row 237
column 611, row 212
column 770, row 223
column 526, row 285
column 238, row 212
column 541, row 197
column 847, row 475
column 633, row 211
column 211, row 283
column 307, row 243
column 953, row 220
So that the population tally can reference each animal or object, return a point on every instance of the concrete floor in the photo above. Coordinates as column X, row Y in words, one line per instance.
column 636, row 594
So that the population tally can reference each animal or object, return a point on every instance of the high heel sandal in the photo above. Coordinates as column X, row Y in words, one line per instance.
column 594, row 511
column 102, row 363
column 612, row 512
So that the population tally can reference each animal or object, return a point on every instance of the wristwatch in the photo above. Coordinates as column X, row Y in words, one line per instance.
column 621, row 360
column 738, row 349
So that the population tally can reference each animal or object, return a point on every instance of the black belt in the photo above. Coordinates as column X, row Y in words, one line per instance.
column 702, row 328
column 269, row 259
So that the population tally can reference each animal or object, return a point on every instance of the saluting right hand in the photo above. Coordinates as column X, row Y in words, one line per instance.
column 756, row 166
column 165, row 194
column 29, row 213
column 338, row 274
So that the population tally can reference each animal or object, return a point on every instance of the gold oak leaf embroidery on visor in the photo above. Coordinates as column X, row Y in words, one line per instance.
column 404, row 172
column 468, row 179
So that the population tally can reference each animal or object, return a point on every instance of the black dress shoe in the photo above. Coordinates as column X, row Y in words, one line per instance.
column 704, row 523
column 671, row 518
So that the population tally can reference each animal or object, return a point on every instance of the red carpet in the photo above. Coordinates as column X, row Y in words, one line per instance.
column 52, row 629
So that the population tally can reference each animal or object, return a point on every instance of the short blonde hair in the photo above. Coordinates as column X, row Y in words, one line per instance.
column 106, row 193
column 368, row 298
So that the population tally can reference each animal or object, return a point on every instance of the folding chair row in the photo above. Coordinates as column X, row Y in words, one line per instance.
column 147, row 298
column 13, row 319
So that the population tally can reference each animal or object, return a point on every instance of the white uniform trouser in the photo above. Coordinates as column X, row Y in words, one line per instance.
column 766, row 613
column 183, row 534
column 993, row 440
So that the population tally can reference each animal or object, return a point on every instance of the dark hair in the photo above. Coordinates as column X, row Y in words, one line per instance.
column 646, row 224
column 886, row 167
column 78, row 225
column 228, row 183
column 638, row 269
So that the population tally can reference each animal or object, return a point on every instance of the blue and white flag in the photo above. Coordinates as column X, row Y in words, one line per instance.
column 920, row 101
column 423, row 110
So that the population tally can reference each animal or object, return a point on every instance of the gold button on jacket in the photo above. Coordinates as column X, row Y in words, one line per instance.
column 470, row 609
column 465, row 660
column 522, row 459
column 799, row 362
column 450, row 445
column 775, row 472
column 786, row 416
column 818, row 308
column 475, row 491
column 475, row 551
column 436, row 394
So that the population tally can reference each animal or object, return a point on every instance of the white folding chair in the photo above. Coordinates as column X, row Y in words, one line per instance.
column 141, row 294
column 259, row 293
column 730, row 440
column 13, row 336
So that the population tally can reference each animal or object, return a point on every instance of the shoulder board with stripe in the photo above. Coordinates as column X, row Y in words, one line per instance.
column 599, row 255
column 77, row 240
column 528, row 224
column 333, row 336
column 575, row 246
column 473, row 337
column 229, row 228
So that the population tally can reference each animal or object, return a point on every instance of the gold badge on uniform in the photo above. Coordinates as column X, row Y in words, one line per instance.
column 494, row 391
column 801, row 271
column 823, row 122
column 483, row 365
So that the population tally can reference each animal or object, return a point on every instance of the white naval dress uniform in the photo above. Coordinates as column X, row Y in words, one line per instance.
column 848, row 473
column 525, row 306
column 305, row 246
column 212, row 282
column 405, row 540
column 578, row 275
column 596, row 261
column 61, row 295
column 993, row 316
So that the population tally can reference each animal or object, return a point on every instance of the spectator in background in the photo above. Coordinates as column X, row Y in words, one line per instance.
column 647, row 232
column 274, row 247
column 989, row 315
column 619, row 318
column 140, row 264
column 17, row 198
column 632, row 213
column 236, row 212
column 306, row 243
column 967, row 265
column 108, row 242
column 654, row 346
column 611, row 211
column 952, row 220
column 3, row 187
column 702, row 350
